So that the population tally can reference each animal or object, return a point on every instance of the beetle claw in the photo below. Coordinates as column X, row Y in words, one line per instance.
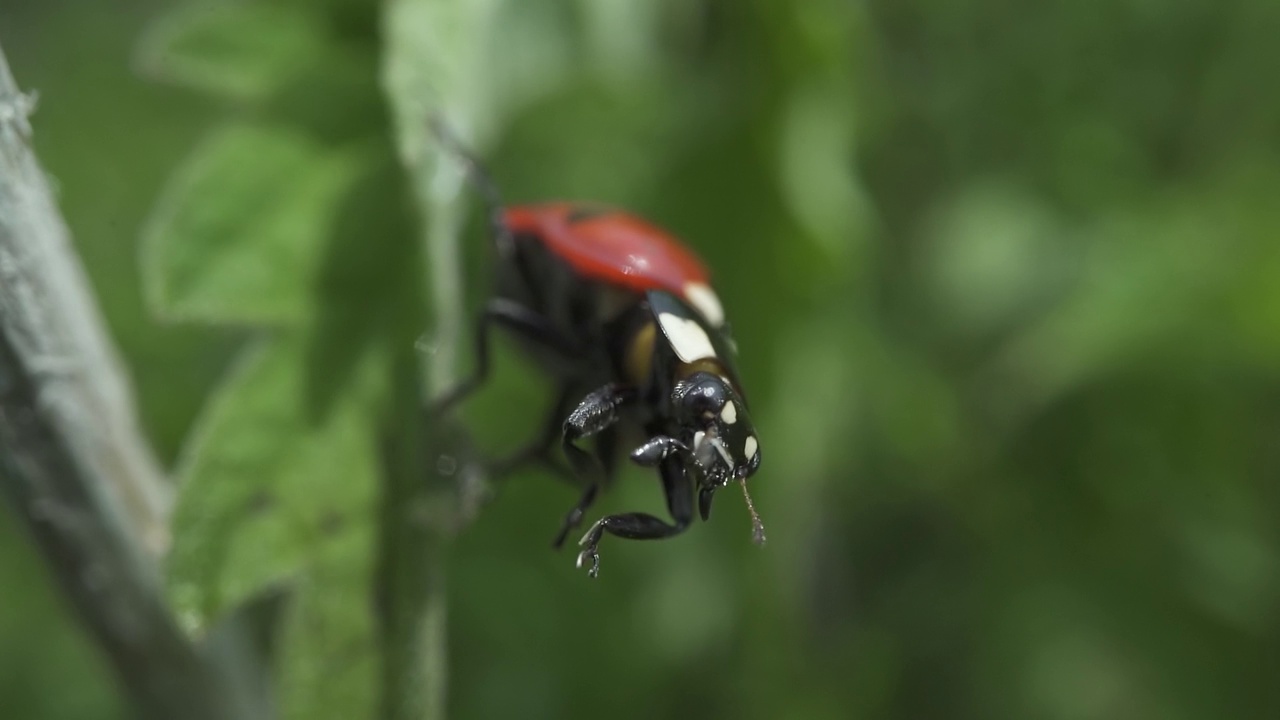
column 594, row 570
column 590, row 544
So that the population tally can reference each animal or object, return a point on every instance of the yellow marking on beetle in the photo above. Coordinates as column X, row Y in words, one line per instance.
column 708, row 365
column 639, row 360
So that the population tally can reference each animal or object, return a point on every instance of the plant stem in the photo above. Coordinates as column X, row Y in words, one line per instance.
column 422, row 509
column 420, row 502
column 74, row 465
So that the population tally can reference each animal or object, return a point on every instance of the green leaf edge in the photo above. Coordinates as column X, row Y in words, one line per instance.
column 156, row 59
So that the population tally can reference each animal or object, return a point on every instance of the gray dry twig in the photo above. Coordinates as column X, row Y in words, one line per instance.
column 75, row 467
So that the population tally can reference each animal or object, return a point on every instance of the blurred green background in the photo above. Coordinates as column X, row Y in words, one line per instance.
column 1006, row 281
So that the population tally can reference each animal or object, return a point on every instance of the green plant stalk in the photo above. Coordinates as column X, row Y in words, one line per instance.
column 420, row 505
column 411, row 580
column 434, row 65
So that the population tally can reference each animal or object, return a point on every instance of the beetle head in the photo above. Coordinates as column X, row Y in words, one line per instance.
column 720, row 433
column 716, row 426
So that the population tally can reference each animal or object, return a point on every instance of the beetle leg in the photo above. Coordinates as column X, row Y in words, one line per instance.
column 480, row 179
column 678, row 488
column 597, row 412
column 658, row 449
column 516, row 318
column 539, row 449
column 574, row 517
column 661, row 447
column 606, row 444
column 595, row 415
column 606, row 447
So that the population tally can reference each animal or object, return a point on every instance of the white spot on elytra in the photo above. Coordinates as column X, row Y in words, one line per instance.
column 730, row 413
column 687, row 337
column 702, row 297
column 750, row 447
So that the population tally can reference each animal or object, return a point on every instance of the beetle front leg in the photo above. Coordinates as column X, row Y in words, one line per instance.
column 658, row 449
column 574, row 517
column 678, row 488
column 661, row 447
column 538, row 450
column 596, row 413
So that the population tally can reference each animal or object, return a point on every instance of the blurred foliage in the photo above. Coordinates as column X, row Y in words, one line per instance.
column 1003, row 276
column 290, row 217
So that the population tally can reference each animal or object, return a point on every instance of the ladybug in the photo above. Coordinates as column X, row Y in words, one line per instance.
column 621, row 316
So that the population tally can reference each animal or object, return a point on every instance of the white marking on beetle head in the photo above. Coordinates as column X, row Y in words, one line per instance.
column 702, row 449
column 718, row 444
column 687, row 338
column 702, row 297
column 750, row 447
column 730, row 413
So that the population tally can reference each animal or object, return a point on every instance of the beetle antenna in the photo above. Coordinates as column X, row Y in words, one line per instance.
column 478, row 176
column 757, row 525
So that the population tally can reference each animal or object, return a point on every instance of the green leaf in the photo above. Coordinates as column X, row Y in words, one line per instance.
column 275, row 496
column 241, row 51
column 331, row 666
column 241, row 233
column 435, row 62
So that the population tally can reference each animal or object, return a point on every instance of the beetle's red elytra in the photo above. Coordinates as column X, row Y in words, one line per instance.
column 619, row 248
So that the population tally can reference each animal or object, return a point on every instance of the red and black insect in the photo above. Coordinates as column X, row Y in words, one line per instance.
column 622, row 317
